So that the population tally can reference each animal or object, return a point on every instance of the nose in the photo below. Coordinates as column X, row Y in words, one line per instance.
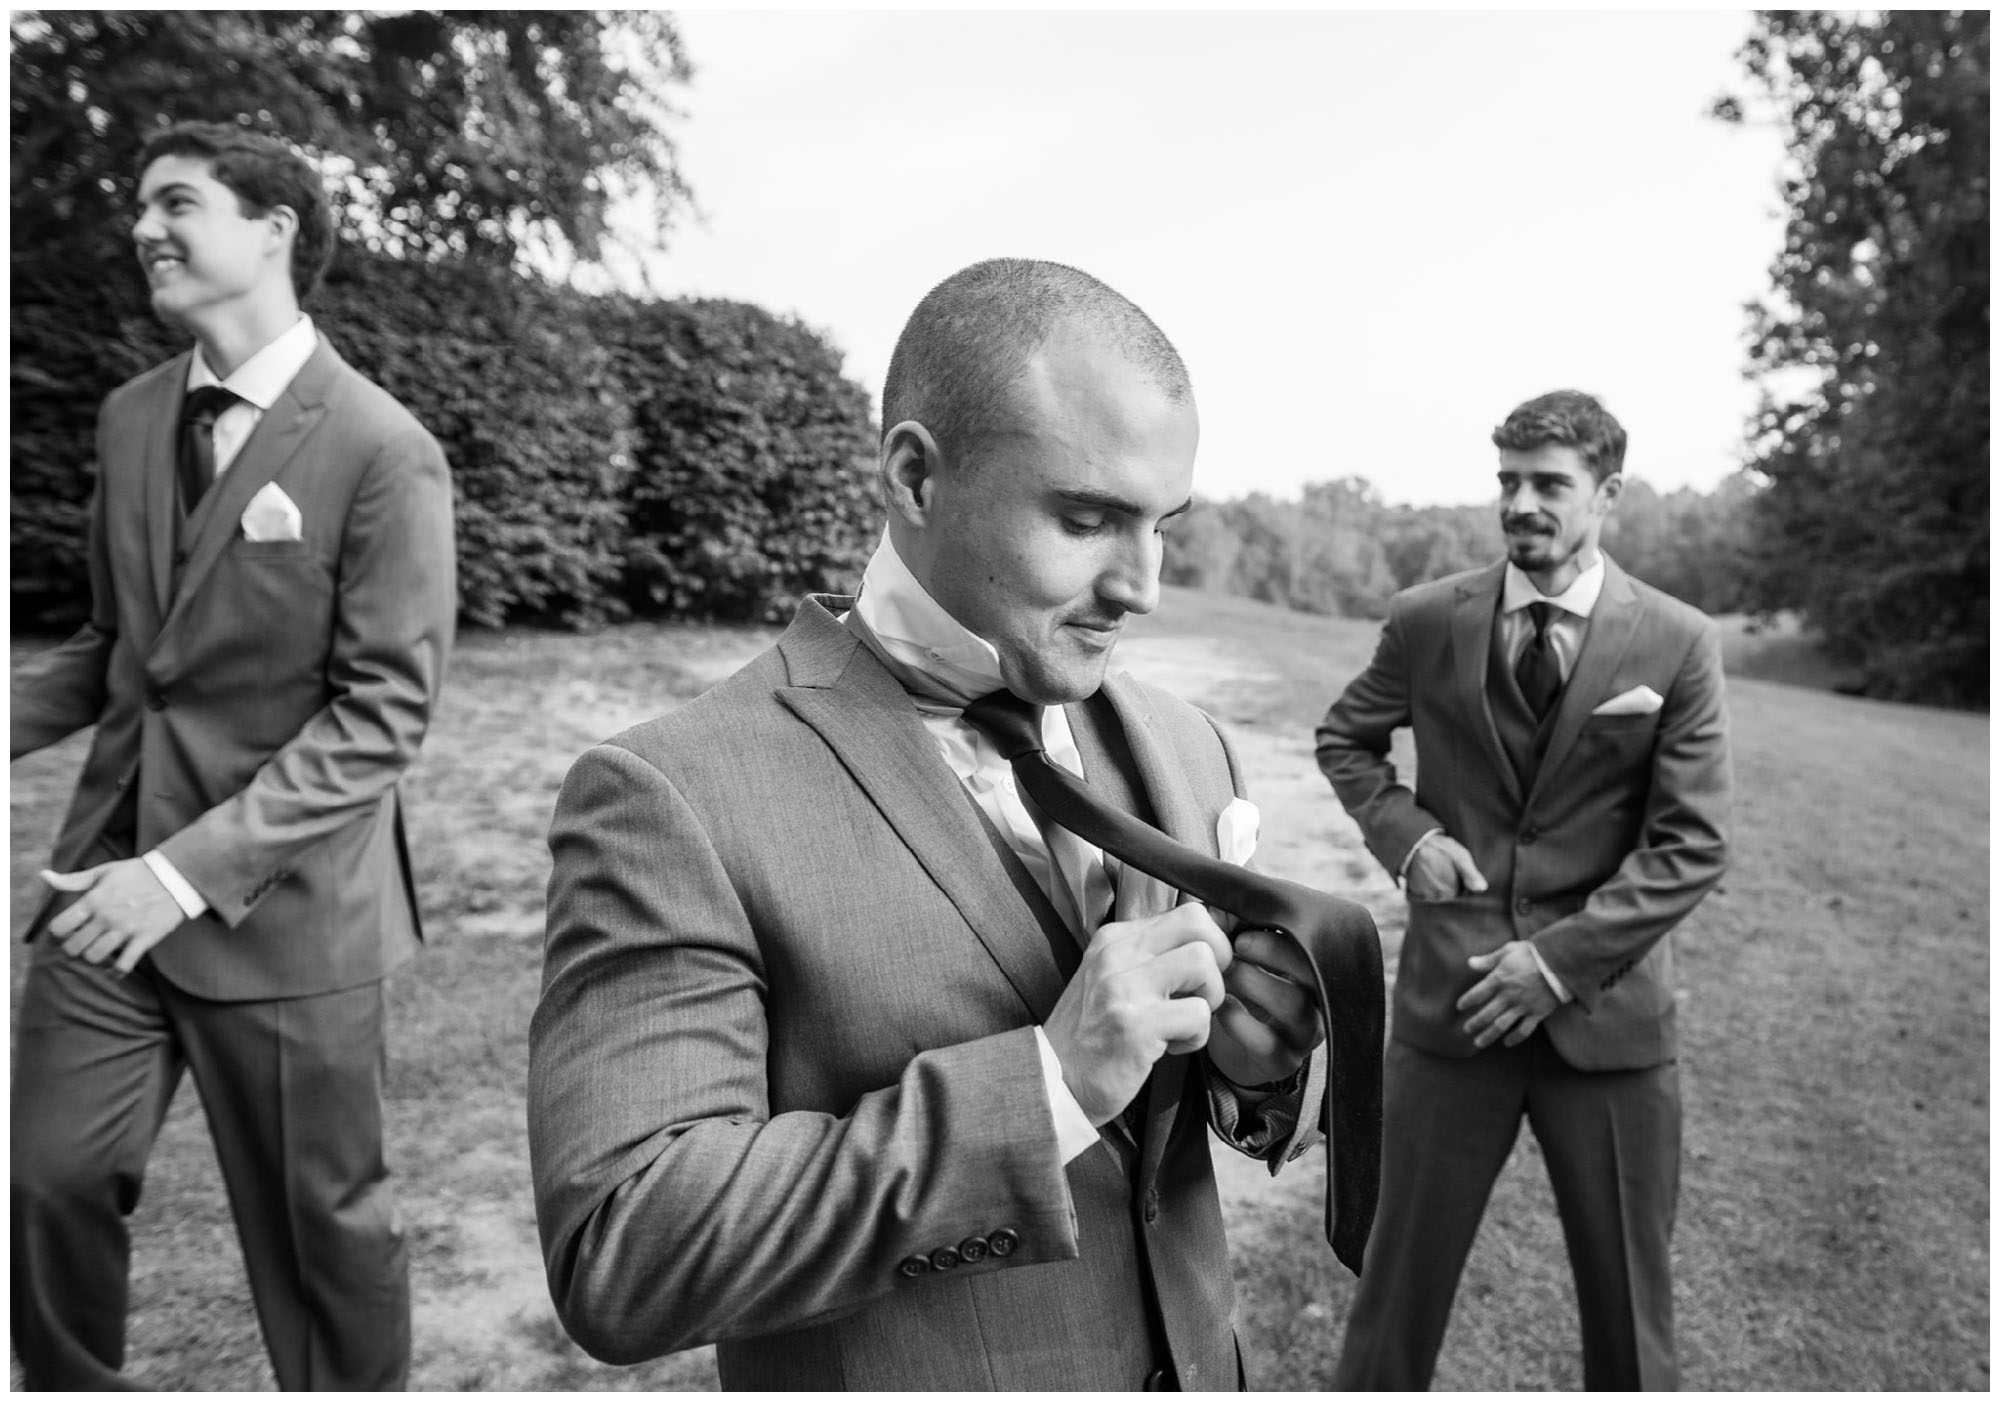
column 1132, row 580
column 147, row 228
column 1522, row 501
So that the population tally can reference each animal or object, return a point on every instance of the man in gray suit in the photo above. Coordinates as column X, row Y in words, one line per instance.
column 1571, row 806
column 272, row 596
column 847, row 1061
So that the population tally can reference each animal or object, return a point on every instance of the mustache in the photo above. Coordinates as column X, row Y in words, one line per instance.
column 1540, row 524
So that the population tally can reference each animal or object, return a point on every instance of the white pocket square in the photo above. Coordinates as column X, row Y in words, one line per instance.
column 1639, row 701
column 271, row 516
column 1236, row 831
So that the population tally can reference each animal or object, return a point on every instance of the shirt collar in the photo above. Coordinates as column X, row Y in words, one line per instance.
column 918, row 632
column 263, row 377
column 1580, row 598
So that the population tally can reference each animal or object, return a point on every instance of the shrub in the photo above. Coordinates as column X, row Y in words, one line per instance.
column 678, row 458
column 750, row 485
column 504, row 371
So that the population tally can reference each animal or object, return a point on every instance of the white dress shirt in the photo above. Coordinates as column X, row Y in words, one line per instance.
column 256, row 383
column 1574, row 607
column 945, row 666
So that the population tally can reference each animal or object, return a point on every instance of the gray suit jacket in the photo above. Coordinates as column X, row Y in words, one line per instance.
column 1622, row 832
column 784, row 1088
column 266, row 695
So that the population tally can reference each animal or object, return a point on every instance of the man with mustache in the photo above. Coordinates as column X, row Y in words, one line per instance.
column 847, row 1059
column 272, row 599
column 1570, row 808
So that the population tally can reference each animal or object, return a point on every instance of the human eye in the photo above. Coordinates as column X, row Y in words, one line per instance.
column 1083, row 523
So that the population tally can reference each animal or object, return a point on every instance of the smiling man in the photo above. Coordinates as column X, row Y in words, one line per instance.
column 1571, row 805
column 849, row 1060
column 272, row 597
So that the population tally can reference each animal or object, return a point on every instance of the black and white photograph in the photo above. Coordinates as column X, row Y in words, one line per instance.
column 944, row 699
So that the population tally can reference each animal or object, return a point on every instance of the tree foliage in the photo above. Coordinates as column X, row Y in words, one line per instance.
column 464, row 131
column 1874, row 350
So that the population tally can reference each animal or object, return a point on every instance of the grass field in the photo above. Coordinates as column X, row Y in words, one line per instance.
column 1834, row 1211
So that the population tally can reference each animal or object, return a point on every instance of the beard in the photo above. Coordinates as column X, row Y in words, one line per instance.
column 1533, row 543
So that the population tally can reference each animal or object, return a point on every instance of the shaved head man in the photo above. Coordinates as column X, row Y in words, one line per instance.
column 847, row 1060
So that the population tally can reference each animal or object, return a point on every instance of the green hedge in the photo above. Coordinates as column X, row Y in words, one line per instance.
column 751, row 484
column 610, row 456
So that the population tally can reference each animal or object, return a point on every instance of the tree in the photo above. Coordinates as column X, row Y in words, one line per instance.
column 498, row 132
column 1873, row 434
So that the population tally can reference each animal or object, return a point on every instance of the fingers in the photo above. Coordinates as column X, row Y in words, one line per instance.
column 1469, row 878
column 1480, row 992
column 1125, row 944
column 72, row 880
column 1274, row 953
column 1278, row 1003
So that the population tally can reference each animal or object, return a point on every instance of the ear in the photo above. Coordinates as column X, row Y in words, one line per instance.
column 283, row 222
column 910, row 464
column 1610, row 489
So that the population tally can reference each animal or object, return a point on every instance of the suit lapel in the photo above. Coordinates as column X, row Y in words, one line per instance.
column 270, row 446
column 1471, row 647
column 159, row 423
column 1612, row 624
column 862, row 713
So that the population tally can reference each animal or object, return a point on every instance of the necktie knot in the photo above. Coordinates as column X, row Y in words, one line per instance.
column 1542, row 615
column 207, row 403
column 1013, row 724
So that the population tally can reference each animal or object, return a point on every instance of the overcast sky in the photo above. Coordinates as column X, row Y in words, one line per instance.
column 1369, row 234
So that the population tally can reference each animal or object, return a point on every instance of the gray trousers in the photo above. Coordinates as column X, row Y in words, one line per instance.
column 292, row 1089
column 1612, row 1142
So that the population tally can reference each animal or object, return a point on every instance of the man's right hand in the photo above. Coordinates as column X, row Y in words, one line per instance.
column 1442, row 870
column 1145, row 988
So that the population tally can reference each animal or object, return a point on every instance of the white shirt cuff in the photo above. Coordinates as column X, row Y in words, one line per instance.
column 1403, row 871
column 1074, row 1131
column 1563, row 995
column 185, row 896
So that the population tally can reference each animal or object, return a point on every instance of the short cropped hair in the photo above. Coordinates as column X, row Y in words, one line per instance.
column 972, row 334
column 1568, row 418
column 263, row 173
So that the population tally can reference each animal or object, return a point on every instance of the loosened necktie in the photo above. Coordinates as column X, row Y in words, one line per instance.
column 1337, row 938
column 1537, row 670
column 196, row 462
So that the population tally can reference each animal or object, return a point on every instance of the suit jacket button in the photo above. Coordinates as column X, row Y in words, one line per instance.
column 1523, row 906
column 1529, row 835
column 972, row 1249
column 1003, row 1242
column 913, row 1266
column 180, row 558
column 943, row 1259
column 156, row 701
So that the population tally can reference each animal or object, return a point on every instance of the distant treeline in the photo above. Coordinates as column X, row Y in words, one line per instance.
column 1339, row 550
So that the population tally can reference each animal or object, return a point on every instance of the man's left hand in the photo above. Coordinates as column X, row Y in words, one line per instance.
column 123, row 911
column 1511, row 1000
column 1268, row 1023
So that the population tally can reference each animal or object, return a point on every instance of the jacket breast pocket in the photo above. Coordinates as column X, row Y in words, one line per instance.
column 280, row 550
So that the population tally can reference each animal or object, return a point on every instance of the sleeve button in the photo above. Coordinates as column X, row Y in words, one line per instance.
column 913, row 1266
column 972, row 1249
column 943, row 1259
column 1003, row 1242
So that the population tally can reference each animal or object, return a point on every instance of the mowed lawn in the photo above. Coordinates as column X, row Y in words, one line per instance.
column 1833, row 1229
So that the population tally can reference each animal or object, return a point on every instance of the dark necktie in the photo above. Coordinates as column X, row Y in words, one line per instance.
column 1537, row 670
column 196, row 462
column 1337, row 937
